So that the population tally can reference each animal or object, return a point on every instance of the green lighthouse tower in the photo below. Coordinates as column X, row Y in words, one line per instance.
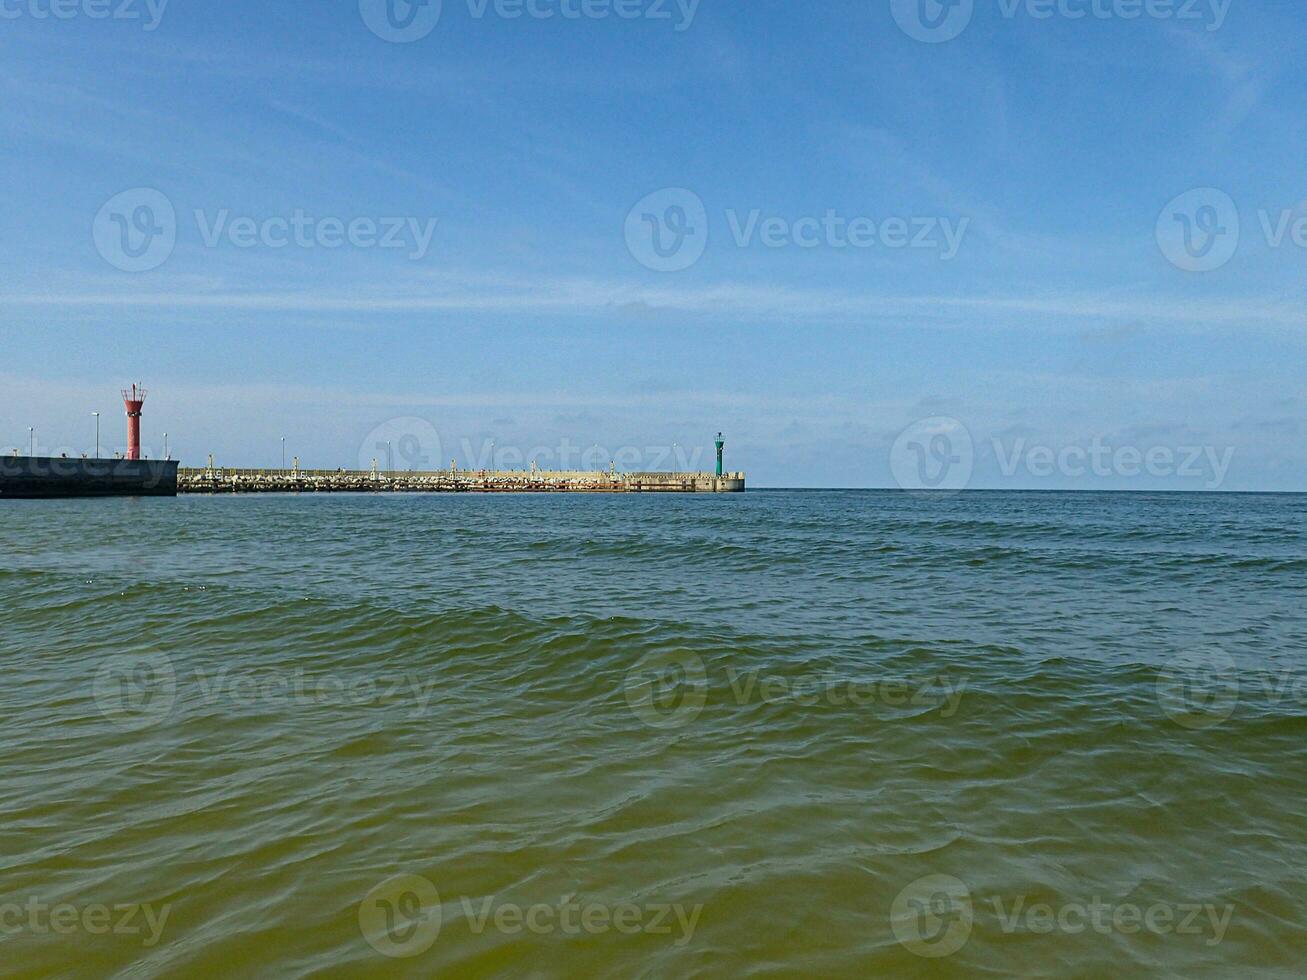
column 721, row 444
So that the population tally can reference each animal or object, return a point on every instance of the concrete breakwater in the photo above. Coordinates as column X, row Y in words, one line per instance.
column 218, row 480
column 50, row 477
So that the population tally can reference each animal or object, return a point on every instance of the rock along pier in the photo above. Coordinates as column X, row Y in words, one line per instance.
column 219, row 480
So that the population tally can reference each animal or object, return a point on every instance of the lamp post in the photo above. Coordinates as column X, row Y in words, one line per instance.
column 390, row 462
column 283, row 452
column 97, row 434
column 31, row 440
column 166, row 453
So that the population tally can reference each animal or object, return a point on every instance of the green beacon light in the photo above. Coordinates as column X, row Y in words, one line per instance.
column 721, row 444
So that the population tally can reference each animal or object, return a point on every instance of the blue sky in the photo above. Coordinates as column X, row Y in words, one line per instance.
column 535, row 316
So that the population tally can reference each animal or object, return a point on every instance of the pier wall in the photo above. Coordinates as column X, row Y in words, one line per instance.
column 223, row 480
column 42, row 477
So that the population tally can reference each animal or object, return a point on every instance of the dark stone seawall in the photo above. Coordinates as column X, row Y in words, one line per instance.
column 44, row 477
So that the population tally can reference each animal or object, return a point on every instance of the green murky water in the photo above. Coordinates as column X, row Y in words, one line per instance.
column 823, row 734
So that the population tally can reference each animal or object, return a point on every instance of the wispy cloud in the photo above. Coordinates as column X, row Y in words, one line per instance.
column 733, row 300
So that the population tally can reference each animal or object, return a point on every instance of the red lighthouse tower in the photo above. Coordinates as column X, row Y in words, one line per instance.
column 134, row 400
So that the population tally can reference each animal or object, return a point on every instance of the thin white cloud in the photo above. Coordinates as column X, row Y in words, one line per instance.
column 744, row 301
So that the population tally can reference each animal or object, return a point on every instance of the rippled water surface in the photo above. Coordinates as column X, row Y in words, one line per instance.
column 784, row 733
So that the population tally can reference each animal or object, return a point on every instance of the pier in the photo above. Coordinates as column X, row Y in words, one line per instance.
column 219, row 480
